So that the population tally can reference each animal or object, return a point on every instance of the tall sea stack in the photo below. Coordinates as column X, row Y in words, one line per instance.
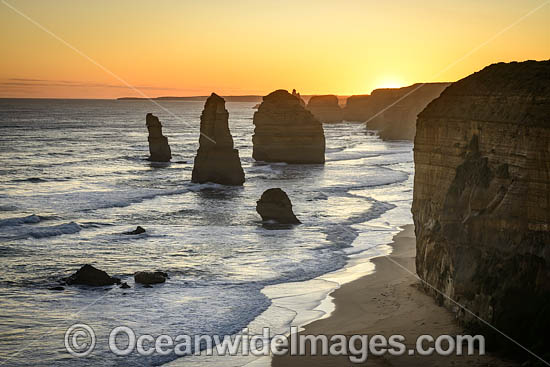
column 159, row 149
column 481, row 203
column 286, row 132
column 216, row 160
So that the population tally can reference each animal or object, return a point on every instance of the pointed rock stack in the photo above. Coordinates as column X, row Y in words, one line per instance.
column 158, row 144
column 286, row 132
column 216, row 160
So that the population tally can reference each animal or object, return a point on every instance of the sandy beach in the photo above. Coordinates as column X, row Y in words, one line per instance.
column 389, row 302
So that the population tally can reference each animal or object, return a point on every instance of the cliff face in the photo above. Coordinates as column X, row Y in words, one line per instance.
column 216, row 160
column 482, row 199
column 159, row 149
column 393, row 111
column 325, row 108
column 286, row 132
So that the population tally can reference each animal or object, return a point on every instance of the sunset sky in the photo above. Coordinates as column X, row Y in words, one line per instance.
column 184, row 48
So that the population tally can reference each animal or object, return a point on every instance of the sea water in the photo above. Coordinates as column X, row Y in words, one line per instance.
column 74, row 177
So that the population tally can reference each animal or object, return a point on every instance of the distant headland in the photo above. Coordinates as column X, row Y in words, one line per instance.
column 245, row 98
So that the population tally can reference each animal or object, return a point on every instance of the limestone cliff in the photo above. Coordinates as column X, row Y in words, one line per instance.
column 393, row 111
column 216, row 161
column 159, row 149
column 325, row 108
column 286, row 132
column 481, row 203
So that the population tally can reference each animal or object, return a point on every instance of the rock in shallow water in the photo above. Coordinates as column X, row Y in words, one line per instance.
column 216, row 160
column 158, row 144
column 275, row 205
column 150, row 277
column 286, row 132
column 89, row 275
column 138, row 230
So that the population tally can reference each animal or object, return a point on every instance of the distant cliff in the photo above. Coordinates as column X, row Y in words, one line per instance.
column 247, row 98
column 481, row 203
column 393, row 111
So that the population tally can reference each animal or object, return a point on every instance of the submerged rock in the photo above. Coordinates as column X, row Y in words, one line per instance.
column 124, row 285
column 138, row 230
column 481, row 205
column 216, row 160
column 158, row 144
column 89, row 275
column 287, row 132
column 325, row 108
column 275, row 205
column 150, row 277
column 58, row 288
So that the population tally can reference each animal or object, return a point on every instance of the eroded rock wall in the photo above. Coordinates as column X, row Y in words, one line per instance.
column 481, row 203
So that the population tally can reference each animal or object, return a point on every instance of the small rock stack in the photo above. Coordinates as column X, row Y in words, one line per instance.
column 275, row 205
column 158, row 144
column 216, row 160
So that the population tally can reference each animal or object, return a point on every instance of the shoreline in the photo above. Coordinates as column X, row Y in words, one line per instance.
column 389, row 301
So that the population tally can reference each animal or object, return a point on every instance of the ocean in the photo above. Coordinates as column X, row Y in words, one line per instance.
column 74, row 176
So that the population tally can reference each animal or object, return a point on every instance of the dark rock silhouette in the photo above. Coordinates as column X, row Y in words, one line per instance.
column 287, row 132
column 89, row 275
column 481, row 203
column 158, row 144
column 138, row 230
column 124, row 285
column 393, row 111
column 275, row 205
column 325, row 108
column 150, row 277
column 297, row 95
column 216, row 160
column 58, row 288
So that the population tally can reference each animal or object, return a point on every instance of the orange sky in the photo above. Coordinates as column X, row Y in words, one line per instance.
column 192, row 47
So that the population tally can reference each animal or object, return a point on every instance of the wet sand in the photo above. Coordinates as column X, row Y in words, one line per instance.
column 389, row 302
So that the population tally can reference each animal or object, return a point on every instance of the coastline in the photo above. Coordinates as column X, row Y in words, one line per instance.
column 389, row 301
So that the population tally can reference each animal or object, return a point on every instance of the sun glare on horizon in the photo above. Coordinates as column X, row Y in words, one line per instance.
column 389, row 82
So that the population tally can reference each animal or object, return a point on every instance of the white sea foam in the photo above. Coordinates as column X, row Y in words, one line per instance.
column 9, row 222
column 57, row 230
